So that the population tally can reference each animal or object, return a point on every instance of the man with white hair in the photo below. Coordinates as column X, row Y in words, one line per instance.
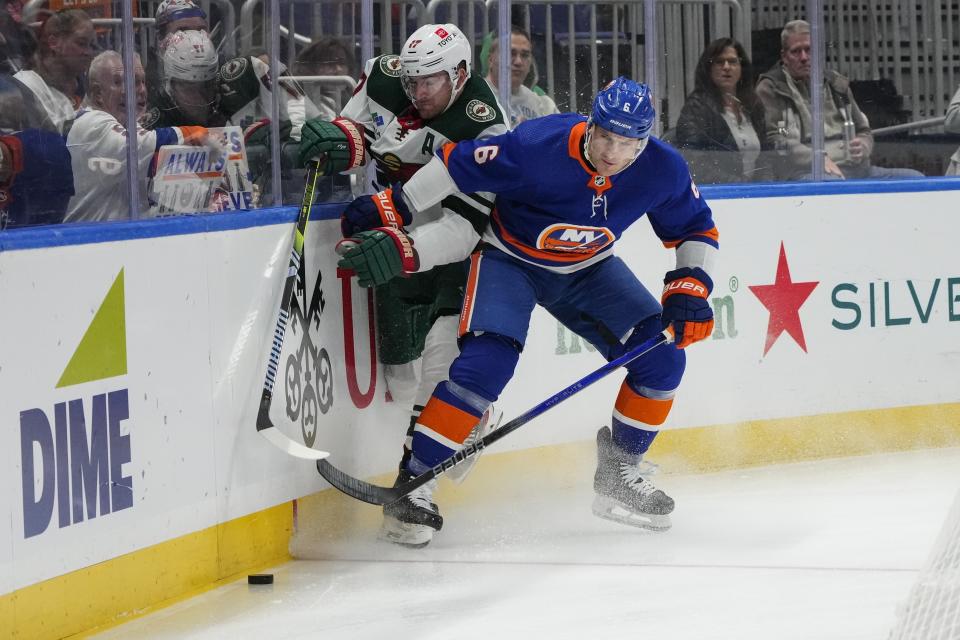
column 405, row 108
column 97, row 142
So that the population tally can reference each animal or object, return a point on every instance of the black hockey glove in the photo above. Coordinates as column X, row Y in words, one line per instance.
column 384, row 209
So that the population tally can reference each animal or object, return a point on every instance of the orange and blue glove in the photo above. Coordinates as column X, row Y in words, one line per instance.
column 685, row 308
column 383, row 209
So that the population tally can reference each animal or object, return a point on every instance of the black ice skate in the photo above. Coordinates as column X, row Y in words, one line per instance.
column 411, row 520
column 624, row 492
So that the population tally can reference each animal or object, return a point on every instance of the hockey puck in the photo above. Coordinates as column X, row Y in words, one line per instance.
column 260, row 578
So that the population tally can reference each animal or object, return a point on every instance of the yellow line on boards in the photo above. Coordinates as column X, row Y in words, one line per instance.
column 129, row 586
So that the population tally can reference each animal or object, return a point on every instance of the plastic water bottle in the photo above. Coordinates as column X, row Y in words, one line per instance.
column 849, row 133
column 780, row 142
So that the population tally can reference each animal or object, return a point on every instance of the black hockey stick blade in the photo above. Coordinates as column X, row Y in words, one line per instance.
column 265, row 427
column 374, row 494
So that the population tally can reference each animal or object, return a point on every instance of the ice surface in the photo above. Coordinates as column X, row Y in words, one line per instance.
column 814, row 550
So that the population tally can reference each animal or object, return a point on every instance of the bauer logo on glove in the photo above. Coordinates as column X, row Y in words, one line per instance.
column 686, row 311
column 384, row 209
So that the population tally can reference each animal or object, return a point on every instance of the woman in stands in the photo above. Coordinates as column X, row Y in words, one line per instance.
column 721, row 130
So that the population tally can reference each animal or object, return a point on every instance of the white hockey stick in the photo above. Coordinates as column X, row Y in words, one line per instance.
column 264, row 426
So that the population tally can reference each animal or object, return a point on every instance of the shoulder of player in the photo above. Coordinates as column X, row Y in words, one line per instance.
column 89, row 122
column 476, row 113
column 663, row 152
column 383, row 84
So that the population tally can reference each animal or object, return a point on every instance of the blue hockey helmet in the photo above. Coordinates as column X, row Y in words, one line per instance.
column 624, row 107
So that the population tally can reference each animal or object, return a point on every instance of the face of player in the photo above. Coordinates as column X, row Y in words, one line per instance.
column 110, row 94
column 521, row 59
column 611, row 153
column 76, row 50
column 796, row 55
column 430, row 94
column 725, row 70
column 194, row 99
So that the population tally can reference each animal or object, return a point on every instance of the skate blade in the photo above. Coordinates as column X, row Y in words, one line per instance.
column 415, row 536
column 610, row 509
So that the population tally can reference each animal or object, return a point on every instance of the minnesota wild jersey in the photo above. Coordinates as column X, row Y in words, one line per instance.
column 400, row 142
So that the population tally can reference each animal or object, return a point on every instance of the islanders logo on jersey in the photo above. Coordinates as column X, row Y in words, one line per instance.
column 569, row 238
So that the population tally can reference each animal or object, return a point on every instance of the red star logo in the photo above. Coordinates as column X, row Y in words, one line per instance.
column 783, row 300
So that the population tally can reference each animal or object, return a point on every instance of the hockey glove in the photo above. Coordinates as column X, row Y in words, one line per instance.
column 383, row 209
column 685, row 307
column 377, row 256
column 337, row 144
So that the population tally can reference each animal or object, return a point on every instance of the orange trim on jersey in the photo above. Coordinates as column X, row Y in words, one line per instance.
column 537, row 253
column 193, row 135
column 631, row 404
column 469, row 294
column 446, row 420
column 713, row 234
column 445, row 152
column 574, row 145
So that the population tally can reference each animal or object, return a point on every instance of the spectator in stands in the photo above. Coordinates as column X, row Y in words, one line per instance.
column 171, row 16
column 179, row 15
column 952, row 124
column 326, row 57
column 98, row 143
column 35, row 178
column 785, row 93
column 17, row 42
column 196, row 90
column 56, row 74
column 721, row 130
column 525, row 103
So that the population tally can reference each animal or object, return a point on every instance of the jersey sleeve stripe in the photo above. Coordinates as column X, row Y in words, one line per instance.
column 445, row 152
column 477, row 219
column 711, row 237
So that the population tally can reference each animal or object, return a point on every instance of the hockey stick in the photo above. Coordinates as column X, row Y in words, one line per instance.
column 374, row 494
column 264, row 426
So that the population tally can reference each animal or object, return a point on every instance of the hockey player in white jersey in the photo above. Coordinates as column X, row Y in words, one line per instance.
column 97, row 141
column 405, row 108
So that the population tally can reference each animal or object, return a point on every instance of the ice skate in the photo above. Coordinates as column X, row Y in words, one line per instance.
column 624, row 491
column 411, row 520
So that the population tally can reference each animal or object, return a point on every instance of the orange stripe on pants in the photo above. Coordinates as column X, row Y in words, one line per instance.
column 469, row 294
column 446, row 420
column 632, row 405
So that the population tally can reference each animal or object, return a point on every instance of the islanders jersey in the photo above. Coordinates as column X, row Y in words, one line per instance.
column 554, row 211
column 400, row 142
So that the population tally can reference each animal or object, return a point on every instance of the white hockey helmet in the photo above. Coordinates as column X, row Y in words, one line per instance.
column 189, row 55
column 433, row 48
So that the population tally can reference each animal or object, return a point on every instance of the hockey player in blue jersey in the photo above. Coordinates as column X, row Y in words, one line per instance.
column 567, row 188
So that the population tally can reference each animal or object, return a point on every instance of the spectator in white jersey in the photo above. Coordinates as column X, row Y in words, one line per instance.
column 56, row 75
column 97, row 141
column 525, row 103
